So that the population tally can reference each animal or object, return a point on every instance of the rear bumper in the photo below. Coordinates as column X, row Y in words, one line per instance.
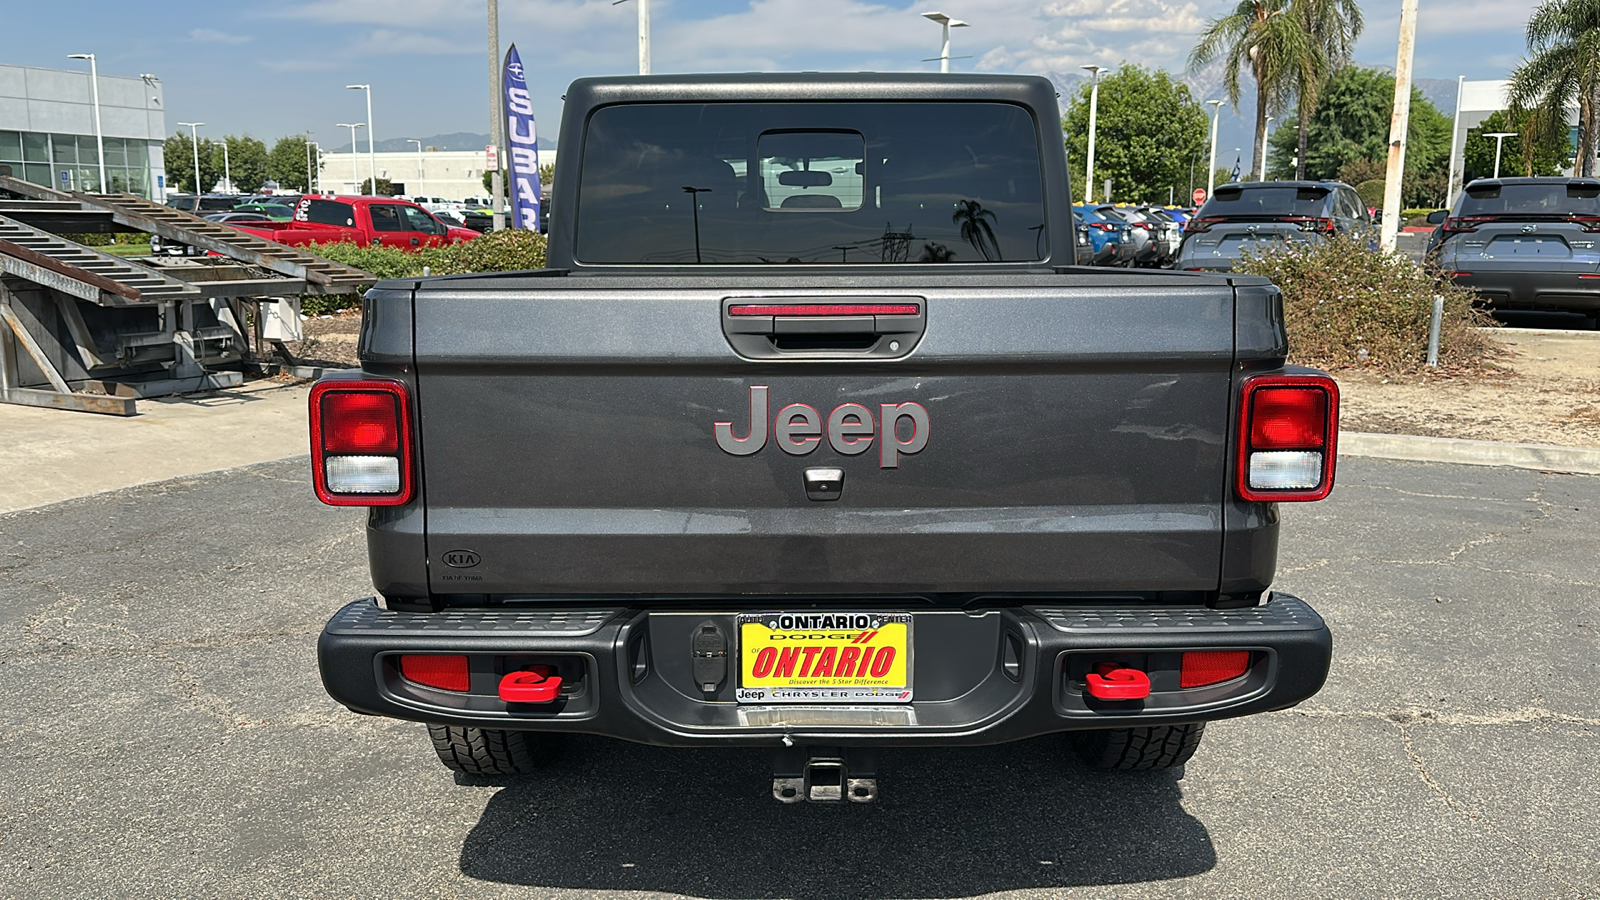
column 1533, row 289
column 980, row 677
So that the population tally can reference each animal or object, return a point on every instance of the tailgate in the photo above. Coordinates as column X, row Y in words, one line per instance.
column 1072, row 439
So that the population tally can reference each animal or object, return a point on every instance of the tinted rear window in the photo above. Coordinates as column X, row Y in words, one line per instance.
column 810, row 183
column 326, row 212
column 1559, row 199
column 1268, row 201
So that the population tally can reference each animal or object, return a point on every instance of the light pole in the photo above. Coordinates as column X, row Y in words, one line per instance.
column 99, row 139
column 308, row 161
column 644, row 34
column 1094, row 109
column 1261, row 173
column 1499, row 141
column 497, row 187
column 355, row 161
column 419, row 165
column 1211, row 170
column 372, row 148
column 944, row 56
column 227, row 170
column 194, row 144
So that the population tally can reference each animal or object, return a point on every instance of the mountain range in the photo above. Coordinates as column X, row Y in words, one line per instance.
column 458, row 140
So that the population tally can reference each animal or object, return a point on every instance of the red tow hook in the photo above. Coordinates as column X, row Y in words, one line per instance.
column 539, row 684
column 1110, row 682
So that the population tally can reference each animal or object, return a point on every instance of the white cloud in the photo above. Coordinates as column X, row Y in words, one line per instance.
column 213, row 36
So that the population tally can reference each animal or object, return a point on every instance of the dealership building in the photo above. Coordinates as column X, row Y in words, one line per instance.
column 47, row 130
column 427, row 172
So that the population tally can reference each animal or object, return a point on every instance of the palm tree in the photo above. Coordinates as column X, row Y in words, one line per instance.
column 1263, row 37
column 1563, row 63
column 1333, row 26
column 975, row 229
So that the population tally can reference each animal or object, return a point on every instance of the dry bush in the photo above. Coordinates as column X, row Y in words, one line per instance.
column 1346, row 305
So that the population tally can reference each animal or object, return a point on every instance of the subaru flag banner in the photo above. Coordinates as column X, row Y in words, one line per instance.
column 523, row 141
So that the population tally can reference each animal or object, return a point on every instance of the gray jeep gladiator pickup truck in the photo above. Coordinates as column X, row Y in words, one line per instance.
column 812, row 438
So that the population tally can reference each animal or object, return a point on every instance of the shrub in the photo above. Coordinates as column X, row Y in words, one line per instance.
column 498, row 251
column 1347, row 305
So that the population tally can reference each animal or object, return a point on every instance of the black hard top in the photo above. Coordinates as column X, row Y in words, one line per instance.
column 1327, row 185
column 1538, row 179
column 1028, row 90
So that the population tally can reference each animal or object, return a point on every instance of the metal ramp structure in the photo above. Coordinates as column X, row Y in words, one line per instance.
column 85, row 330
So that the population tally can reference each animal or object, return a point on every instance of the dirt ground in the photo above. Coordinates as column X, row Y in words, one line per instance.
column 1548, row 391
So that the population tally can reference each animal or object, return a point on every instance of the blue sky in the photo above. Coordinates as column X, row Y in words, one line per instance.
column 274, row 68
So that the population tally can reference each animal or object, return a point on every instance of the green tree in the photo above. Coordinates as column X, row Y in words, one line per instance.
column 1261, row 38
column 1148, row 132
column 247, row 163
column 178, row 153
column 385, row 187
column 1351, row 125
column 1537, row 148
column 1563, row 63
column 286, row 164
column 1333, row 26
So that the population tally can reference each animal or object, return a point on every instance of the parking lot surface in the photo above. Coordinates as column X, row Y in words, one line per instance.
column 166, row 734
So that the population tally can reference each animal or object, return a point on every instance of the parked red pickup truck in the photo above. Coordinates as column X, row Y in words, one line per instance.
column 369, row 221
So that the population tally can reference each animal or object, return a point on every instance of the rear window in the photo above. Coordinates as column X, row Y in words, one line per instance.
column 747, row 183
column 1559, row 199
column 326, row 212
column 1310, row 202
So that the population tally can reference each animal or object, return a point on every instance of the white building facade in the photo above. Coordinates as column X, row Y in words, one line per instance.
column 448, row 174
column 47, row 132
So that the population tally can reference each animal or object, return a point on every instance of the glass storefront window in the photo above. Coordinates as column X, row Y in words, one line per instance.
column 88, row 150
column 138, row 154
column 35, row 148
column 10, row 146
column 63, row 148
column 38, row 173
column 115, row 154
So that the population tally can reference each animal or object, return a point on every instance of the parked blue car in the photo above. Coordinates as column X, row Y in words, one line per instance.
column 1113, row 244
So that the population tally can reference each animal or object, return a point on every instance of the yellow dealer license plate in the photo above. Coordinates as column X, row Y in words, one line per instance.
column 839, row 657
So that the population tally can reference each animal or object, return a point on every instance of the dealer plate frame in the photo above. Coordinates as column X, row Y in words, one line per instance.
column 824, row 695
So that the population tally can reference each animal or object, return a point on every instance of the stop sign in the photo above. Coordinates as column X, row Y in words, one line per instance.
column 1199, row 196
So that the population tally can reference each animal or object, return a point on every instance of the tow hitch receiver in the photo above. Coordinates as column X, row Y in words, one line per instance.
column 825, row 774
column 538, row 684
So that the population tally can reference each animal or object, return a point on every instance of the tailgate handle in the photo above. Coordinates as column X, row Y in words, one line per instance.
column 811, row 328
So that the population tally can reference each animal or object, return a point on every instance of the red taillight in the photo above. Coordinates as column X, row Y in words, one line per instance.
column 445, row 672
column 1288, row 419
column 1288, row 432
column 1588, row 223
column 824, row 309
column 1461, row 226
column 1105, row 226
column 361, row 442
column 1320, row 226
column 360, row 422
column 1201, row 224
column 1213, row 667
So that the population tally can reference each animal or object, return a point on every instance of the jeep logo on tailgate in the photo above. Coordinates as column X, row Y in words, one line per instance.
column 850, row 429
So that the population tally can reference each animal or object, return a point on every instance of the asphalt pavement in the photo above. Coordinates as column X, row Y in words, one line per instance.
column 165, row 733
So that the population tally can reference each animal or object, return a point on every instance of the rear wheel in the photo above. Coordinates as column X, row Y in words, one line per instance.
column 488, row 751
column 1156, row 747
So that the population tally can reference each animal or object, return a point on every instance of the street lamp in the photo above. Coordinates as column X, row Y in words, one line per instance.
column 227, row 171
column 355, row 161
column 1094, row 109
column 94, row 88
column 1499, row 141
column 644, row 34
column 312, row 180
column 1211, row 170
column 944, row 56
column 372, row 149
column 194, row 143
column 419, row 165
column 1261, row 172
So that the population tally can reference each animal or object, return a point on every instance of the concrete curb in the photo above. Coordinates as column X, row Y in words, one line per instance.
column 1544, row 457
